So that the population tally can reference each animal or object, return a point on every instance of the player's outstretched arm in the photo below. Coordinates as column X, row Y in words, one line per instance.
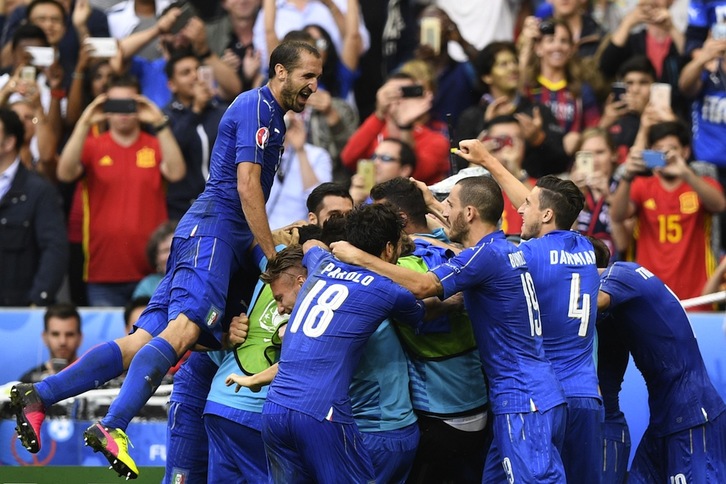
column 421, row 285
column 253, row 382
column 253, row 205
column 473, row 151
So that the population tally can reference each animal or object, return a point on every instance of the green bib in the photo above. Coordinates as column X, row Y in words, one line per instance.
column 262, row 347
column 436, row 346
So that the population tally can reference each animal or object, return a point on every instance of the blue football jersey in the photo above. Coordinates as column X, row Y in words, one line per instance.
column 562, row 264
column 501, row 300
column 252, row 130
column 337, row 309
column 659, row 336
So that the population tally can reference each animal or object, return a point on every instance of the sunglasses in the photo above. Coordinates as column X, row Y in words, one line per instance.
column 384, row 158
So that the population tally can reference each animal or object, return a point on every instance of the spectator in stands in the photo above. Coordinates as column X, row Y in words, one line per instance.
column 660, row 41
column 194, row 114
column 621, row 118
column 553, row 76
column 131, row 16
column 89, row 79
column 38, row 151
column 33, row 243
column 151, row 73
column 297, row 14
column 47, row 82
column 393, row 158
column 62, row 31
column 239, row 52
column 62, row 336
column 586, row 32
column 157, row 253
column 595, row 178
column 456, row 82
column 673, row 207
column 498, row 71
column 703, row 79
column 120, row 216
column 302, row 167
column 404, row 118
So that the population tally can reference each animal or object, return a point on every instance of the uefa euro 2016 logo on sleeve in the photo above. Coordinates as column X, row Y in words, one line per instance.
column 261, row 137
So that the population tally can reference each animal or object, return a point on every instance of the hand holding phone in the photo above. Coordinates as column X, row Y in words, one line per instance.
column 660, row 95
column 187, row 12
column 367, row 170
column 41, row 56
column 654, row 159
column 205, row 74
column 119, row 106
column 102, row 47
column 27, row 73
column 618, row 89
column 414, row 90
column 431, row 33
column 585, row 162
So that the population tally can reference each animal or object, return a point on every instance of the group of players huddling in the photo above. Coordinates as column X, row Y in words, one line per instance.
column 505, row 381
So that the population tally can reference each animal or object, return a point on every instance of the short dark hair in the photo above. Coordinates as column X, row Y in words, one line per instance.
column 28, row 32
column 602, row 253
column 299, row 35
column 288, row 258
column 563, row 197
column 35, row 3
column 137, row 302
column 176, row 57
column 371, row 227
column 61, row 311
column 160, row 233
column 328, row 189
column 333, row 229
column 124, row 80
column 637, row 63
column 408, row 156
column 669, row 128
column 405, row 196
column 287, row 54
column 308, row 232
column 501, row 119
column 484, row 194
column 12, row 126
column 487, row 57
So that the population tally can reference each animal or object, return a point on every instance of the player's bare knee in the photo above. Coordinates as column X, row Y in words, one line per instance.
column 131, row 344
column 182, row 333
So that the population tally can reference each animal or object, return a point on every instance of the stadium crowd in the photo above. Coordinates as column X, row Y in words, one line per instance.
column 557, row 162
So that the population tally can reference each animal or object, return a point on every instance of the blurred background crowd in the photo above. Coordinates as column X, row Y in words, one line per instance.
column 109, row 110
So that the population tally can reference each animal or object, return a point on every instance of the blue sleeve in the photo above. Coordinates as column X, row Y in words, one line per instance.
column 615, row 282
column 461, row 272
column 312, row 257
column 407, row 309
column 253, row 128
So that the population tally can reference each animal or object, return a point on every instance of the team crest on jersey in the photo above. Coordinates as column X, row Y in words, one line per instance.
column 688, row 202
column 212, row 316
column 146, row 158
column 105, row 161
column 261, row 137
column 179, row 476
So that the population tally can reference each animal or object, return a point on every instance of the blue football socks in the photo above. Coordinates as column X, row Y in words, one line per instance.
column 100, row 364
column 147, row 369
